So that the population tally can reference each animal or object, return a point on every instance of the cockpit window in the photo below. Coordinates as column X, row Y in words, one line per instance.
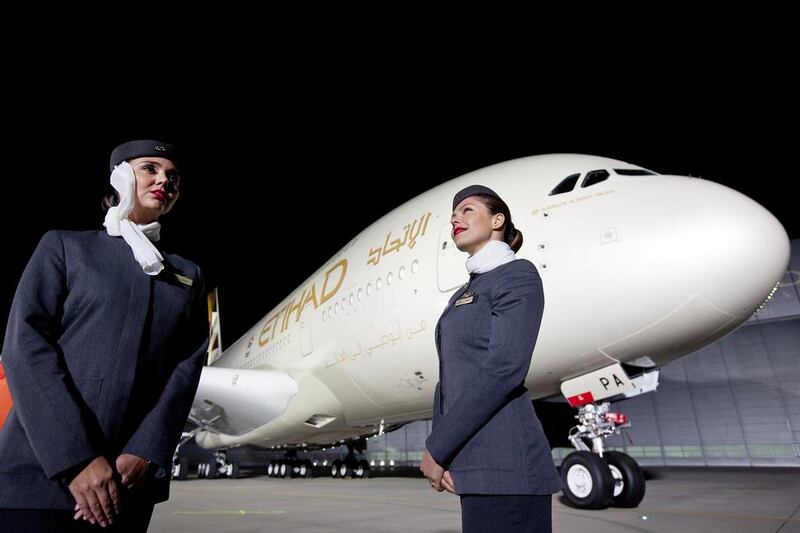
column 634, row 172
column 595, row 176
column 566, row 185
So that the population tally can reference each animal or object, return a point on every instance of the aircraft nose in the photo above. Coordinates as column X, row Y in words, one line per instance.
column 706, row 257
column 738, row 246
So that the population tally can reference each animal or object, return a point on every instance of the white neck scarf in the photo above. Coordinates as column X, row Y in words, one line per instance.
column 138, row 236
column 493, row 254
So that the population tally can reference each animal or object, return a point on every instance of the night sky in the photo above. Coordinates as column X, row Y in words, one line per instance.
column 275, row 185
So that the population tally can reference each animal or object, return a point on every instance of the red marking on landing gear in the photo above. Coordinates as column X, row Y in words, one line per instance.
column 581, row 399
column 617, row 418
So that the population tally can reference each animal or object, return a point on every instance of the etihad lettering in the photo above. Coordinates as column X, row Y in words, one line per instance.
column 280, row 321
column 411, row 232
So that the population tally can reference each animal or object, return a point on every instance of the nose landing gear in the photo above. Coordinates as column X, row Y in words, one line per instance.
column 594, row 479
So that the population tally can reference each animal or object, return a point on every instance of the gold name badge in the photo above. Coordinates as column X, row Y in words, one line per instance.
column 468, row 298
column 184, row 279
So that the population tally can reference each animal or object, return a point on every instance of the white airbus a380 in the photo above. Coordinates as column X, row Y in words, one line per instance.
column 638, row 269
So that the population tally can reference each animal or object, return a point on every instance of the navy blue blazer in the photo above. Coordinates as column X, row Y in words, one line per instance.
column 101, row 359
column 485, row 430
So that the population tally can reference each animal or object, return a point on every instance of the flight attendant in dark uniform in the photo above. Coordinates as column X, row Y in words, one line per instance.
column 487, row 445
column 103, row 350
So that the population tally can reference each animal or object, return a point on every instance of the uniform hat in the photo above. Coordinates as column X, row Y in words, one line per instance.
column 142, row 148
column 472, row 190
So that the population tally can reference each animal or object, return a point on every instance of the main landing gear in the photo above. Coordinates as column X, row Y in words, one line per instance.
column 290, row 467
column 350, row 466
column 218, row 466
column 594, row 479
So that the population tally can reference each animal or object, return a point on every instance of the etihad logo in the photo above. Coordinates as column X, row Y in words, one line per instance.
column 279, row 322
column 411, row 232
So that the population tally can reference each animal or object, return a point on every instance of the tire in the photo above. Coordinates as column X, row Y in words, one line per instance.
column 305, row 469
column 588, row 482
column 211, row 469
column 183, row 469
column 629, row 484
column 363, row 468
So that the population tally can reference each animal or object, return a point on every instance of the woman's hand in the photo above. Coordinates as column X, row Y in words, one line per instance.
column 435, row 473
column 95, row 492
column 447, row 482
column 132, row 468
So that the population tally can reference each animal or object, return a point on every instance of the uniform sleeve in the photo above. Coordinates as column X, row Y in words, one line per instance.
column 517, row 307
column 157, row 436
column 58, row 424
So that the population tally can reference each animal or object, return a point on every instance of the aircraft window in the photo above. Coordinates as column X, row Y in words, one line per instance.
column 595, row 176
column 415, row 266
column 389, row 278
column 566, row 185
column 634, row 172
column 369, row 289
column 351, row 298
column 360, row 294
column 378, row 284
column 402, row 272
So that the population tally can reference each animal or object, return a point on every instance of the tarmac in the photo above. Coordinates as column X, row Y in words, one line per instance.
column 677, row 499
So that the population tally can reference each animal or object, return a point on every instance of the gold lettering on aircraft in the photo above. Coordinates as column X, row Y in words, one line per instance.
column 309, row 295
column 328, row 295
column 411, row 232
column 571, row 201
column 269, row 326
column 297, row 305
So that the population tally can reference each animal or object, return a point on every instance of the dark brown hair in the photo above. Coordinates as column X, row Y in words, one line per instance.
column 109, row 201
column 511, row 235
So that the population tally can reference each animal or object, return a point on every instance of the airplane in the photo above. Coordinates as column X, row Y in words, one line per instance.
column 638, row 269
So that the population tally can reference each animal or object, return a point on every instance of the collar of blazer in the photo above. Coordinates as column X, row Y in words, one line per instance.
column 464, row 290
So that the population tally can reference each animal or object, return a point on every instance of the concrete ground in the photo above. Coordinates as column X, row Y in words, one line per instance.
column 681, row 500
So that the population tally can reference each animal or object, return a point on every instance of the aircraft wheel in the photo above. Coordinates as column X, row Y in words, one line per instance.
column 181, row 472
column 588, row 483
column 234, row 471
column 336, row 469
column 362, row 470
column 629, row 482
column 211, row 469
